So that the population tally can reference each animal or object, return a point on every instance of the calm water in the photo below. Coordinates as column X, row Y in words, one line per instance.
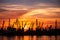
column 30, row 38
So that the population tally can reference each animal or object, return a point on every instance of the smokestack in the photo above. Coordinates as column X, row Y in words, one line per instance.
column 36, row 22
column 3, row 23
column 17, row 22
column 56, row 24
column 13, row 26
column 9, row 21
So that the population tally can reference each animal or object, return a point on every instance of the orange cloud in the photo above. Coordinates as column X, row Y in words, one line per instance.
column 43, row 13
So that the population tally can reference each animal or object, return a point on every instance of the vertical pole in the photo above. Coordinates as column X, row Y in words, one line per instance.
column 3, row 24
column 9, row 21
column 36, row 22
column 56, row 24
column 17, row 22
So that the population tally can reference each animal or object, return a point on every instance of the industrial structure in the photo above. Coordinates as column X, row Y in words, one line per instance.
column 20, row 31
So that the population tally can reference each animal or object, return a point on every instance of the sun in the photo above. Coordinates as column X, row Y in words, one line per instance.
column 26, row 27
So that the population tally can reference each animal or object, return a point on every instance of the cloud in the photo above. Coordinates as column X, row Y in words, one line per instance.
column 30, row 2
column 20, row 7
column 43, row 13
column 12, row 10
column 14, row 7
column 44, row 5
column 38, row 5
column 12, row 14
column 57, row 14
column 2, row 10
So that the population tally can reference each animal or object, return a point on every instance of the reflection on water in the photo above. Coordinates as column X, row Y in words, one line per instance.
column 29, row 37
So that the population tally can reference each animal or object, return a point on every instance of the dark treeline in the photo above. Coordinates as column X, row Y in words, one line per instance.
column 20, row 31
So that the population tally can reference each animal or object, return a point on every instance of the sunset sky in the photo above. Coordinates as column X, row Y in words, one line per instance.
column 47, row 10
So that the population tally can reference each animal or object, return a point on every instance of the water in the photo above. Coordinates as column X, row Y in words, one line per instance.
column 30, row 38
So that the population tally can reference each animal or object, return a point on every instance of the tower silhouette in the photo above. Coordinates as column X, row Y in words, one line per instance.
column 9, row 22
column 17, row 23
column 3, row 24
column 56, row 24
column 32, row 24
column 36, row 22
